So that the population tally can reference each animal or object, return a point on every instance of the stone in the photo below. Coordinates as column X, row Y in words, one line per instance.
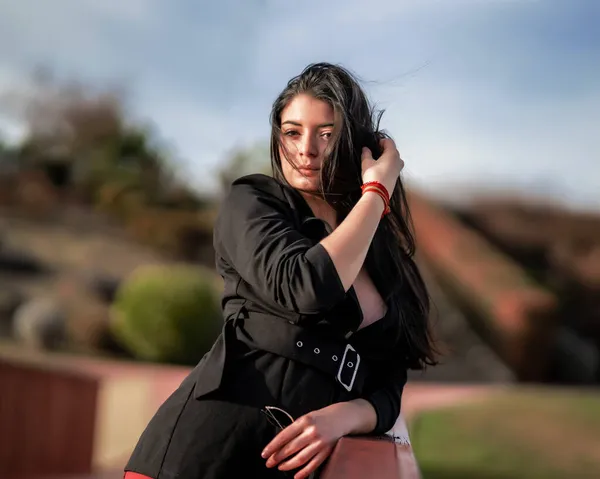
column 40, row 323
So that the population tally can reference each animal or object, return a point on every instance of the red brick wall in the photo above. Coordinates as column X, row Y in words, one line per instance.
column 47, row 420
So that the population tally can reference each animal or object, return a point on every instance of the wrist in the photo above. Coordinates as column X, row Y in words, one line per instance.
column 379, row 189
column 372, row 197
column 361, row 416
column 389, row 184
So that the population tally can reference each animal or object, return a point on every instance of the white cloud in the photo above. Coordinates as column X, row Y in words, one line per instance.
column 548, row 150
column 86, row 38
column 10, row 129
column 488, row 92
column 129, row 11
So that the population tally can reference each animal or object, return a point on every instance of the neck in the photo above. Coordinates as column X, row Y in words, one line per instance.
column 321, row 209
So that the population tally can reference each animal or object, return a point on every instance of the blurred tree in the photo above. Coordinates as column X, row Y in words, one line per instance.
column 7, row 156
column 89, row 130
column 84, row 139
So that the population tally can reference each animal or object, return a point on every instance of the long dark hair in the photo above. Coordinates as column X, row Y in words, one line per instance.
column 390, row 257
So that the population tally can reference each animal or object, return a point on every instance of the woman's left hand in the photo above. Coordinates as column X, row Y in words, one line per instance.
column 310, row 439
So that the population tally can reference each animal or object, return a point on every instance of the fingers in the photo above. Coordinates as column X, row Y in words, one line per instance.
column 312, row 466
column 389, row 148
column 366, row 160
column 387, row 144
column 285, row 436
column 302, row 457
column 306, row 442
column 290, row 448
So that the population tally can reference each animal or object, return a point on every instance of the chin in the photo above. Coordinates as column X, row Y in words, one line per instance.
column 306, row 184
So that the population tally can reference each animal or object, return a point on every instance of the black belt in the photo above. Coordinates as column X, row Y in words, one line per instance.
column 335, row 357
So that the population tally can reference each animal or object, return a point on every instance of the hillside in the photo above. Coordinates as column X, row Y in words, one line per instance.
column 560, row 249
column 69, row 258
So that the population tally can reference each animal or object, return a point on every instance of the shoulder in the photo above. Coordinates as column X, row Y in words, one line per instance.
column 249, row 191
column 254, row 207
column 256, row 197
column 255, row 185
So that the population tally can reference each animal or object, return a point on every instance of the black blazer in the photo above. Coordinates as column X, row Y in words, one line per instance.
column 281, row 286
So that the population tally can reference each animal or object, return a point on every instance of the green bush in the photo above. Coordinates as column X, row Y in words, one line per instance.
column 168, row 314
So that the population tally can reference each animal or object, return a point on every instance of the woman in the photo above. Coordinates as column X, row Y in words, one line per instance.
column 324, row 308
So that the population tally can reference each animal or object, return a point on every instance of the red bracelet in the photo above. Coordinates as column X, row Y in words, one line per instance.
column 381, row 190
column 378, row 185
column 385, row 207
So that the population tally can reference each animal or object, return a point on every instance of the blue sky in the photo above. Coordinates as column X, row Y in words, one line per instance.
column 486, row 93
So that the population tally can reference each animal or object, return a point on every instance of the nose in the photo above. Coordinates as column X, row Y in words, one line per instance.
column 308, row 146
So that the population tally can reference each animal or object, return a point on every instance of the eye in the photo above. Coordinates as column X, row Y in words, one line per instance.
column 291, row 133
column 327, row 134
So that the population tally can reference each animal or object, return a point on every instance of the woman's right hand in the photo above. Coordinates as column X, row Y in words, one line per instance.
column 386, row 169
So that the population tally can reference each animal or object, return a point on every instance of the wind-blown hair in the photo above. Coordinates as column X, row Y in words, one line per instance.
column 390, row 257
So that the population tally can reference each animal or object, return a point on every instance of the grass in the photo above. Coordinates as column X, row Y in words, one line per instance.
column 525, row 434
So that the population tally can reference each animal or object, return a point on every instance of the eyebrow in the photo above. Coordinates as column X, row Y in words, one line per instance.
column 295, row 123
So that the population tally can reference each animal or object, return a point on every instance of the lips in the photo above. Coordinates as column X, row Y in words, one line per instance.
column 309, row 171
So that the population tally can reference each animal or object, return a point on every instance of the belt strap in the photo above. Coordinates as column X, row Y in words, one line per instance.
column 335, row 357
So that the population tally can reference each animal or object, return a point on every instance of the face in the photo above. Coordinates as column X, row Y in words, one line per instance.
column 306, row 129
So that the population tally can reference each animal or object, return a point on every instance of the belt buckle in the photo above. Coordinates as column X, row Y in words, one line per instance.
column 348, row 387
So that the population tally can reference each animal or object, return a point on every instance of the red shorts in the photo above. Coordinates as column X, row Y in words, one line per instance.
column 135, row 475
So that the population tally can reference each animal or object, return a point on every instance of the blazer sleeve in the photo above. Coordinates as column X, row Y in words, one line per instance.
column 255, row 234
column 386, row 396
